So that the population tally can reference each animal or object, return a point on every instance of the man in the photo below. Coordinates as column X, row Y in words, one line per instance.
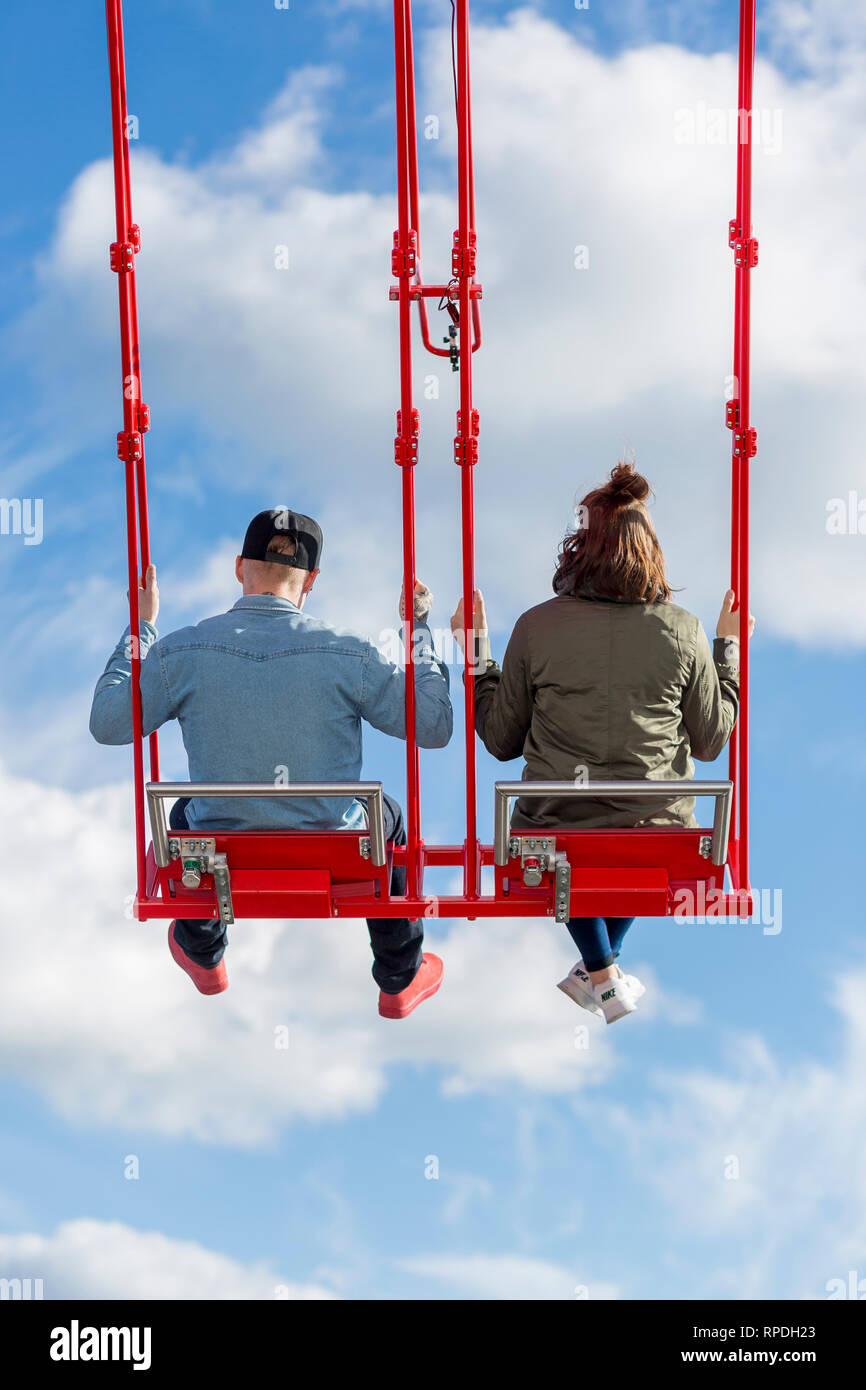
column 264, row 691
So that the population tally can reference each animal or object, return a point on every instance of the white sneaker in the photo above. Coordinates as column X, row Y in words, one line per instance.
column 578, row 986
column 614, row 998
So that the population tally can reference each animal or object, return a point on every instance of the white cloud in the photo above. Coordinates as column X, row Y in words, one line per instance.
column 109, row 1260
column 759, row 1157
column 572, row 148
column 513, row 1277
column 286, row 143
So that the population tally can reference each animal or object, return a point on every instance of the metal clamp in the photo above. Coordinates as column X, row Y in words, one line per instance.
column 669, row 791
column 537, row 857
column 121, row 256
column 562, row 887
column 404, row 259
column 465, row 451
column 463, row 257
column 223, row 890
column 198, row 856
column 159, row 792
column 129, row 446
column 745, row 443
column 746, row 251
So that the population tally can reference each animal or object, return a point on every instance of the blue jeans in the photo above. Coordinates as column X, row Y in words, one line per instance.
column 396, row 942
column 598, row 939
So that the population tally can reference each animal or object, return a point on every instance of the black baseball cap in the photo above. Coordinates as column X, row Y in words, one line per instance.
column 280, row 521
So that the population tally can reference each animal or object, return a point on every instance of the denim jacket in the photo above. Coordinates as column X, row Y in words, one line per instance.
column 266, row 693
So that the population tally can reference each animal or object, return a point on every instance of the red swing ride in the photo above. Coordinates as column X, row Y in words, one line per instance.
column 291, row 874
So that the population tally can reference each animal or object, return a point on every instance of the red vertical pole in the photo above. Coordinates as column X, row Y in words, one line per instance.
column 744, row 444
column 466, row 441
column 403, row 267
column 130, row 441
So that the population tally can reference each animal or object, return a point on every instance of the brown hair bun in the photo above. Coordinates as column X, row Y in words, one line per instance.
column 625, row 483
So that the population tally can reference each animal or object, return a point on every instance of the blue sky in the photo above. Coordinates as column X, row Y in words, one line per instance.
column 560, row 1169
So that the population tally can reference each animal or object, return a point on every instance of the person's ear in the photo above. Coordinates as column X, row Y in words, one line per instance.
column 239, row 569
column 310, row 581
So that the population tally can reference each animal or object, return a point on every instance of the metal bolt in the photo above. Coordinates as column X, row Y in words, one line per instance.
column 191, row 876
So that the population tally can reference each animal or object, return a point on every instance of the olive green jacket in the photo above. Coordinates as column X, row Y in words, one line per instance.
column 597, row 690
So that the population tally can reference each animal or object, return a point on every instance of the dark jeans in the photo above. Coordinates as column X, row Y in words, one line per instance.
column 599, row 939
column 396, row 942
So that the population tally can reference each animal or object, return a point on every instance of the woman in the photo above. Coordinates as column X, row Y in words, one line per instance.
column 609, row 680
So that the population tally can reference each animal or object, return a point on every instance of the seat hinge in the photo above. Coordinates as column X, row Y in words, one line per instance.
column 198, row 856
column 222, row 887
column 562, row 887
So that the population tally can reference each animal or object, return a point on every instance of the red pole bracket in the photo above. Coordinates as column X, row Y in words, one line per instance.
column 465, row 451
column 463, row 258
column 404, row 259
column 121, row 256
column 745, row 249
column 406, row 445
column 746, row 252
column 129, row 446
column 745, row 443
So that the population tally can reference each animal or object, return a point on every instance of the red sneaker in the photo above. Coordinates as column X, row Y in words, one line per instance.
column 206, row 981
column 425, row 983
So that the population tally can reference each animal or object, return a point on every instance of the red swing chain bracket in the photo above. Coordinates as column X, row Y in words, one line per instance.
column 732, row 420
column 130, row 445
column 406, row 445
column 404, row 259
column 466, row 445
column 745, row 443
column 465, row 451
column 463, row 257
column 121, row 254
column 745, row 249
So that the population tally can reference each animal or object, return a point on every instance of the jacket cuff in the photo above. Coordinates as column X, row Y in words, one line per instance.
column 726, row 652
column 423, row 648
column 491, row 668
column 147, row 633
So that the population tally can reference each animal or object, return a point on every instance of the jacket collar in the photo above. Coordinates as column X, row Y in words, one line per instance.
column 266, row 603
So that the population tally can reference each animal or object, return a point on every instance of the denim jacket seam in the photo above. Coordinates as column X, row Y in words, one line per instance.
column 167, row 683
column 325, row 650
column 365, row 666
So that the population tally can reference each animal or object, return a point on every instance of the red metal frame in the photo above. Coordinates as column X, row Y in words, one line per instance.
column 744, row 437
column 324, row 874
column 136, row 416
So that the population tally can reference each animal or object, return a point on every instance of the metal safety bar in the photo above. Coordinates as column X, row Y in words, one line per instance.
column 672, row 791
column 371, row 792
